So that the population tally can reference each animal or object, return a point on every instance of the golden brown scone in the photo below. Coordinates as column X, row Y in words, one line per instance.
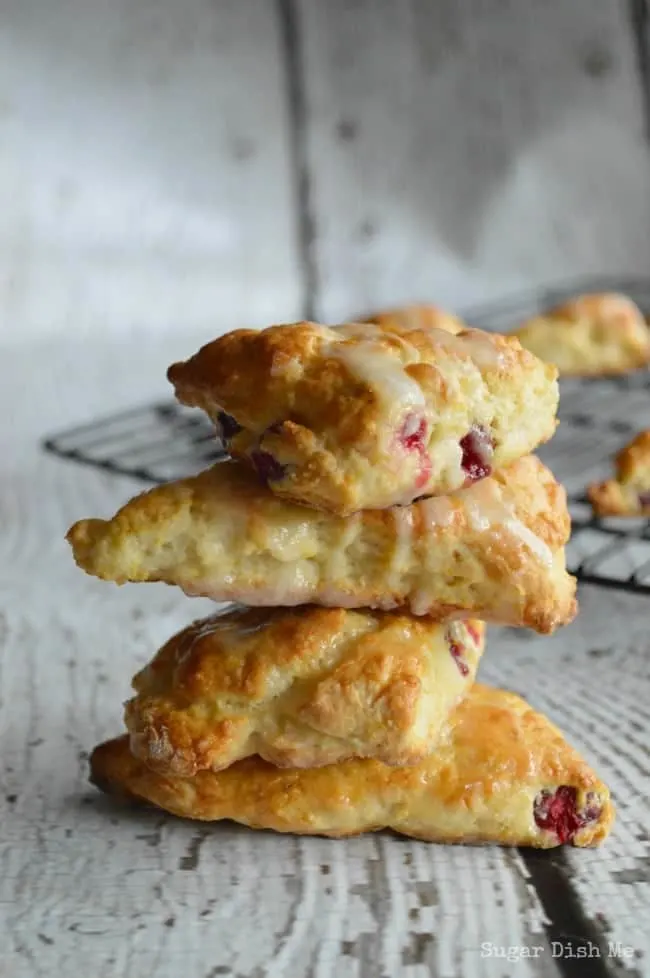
column 629, row 493
column 416, row 316
column 494, row 551
column 300, row 688
column 365, row 416
column 501, row 773
column 590, row 335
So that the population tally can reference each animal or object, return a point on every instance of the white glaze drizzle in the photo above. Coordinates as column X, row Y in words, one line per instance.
column 216, row 623
column 336, row 566
column 401, row 556
column 358, row 331
column 538, row 547
column 438, row 511
column 290, row 542
column 384, row 374
column 487, row 508
column 378, row 367
column 421, row 601
column 478, row 345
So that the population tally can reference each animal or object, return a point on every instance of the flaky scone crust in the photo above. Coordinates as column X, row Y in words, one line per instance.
column 300, row 688
column 416, row 316
column 367, row 415
column 494, row 551
column 592, row 335
column 480, row 785
column 626, row 494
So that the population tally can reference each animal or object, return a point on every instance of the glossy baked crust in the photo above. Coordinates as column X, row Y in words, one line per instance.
column 629, row 493
column 494, row 551
column 300, row 688
column 591, row 335
column 365, row 416
column 501, row 773
column 416, row 316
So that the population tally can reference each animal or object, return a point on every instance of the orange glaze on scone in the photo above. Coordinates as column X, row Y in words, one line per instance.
column 365, row 416
column 591, row 335
column 501, row 773
column 494, row 551
column 300, row 688
column 629, row 493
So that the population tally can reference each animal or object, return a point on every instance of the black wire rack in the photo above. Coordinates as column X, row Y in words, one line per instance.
column 162, row 441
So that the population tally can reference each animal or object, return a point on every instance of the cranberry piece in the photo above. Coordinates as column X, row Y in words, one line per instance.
column 457, row 653
column 478, row 448
column 644, row 499
column 592, row 812
column 267, row 467
column 412, row 437
column 228, row 427
column 556, row 811
column 473, row 632
column 412, row 432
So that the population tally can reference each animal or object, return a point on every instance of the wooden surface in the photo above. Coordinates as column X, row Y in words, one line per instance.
column 138, row 894
column 186, row 167
column 462, row 150
column 146, row 174
column 216, row 162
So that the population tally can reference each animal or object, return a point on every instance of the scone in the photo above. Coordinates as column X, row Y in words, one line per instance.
column 590, row 335
column 501, row 773
column 300, row 688
column 494, row 551
column 629, row 493
column 365, row 416
column 416, row 316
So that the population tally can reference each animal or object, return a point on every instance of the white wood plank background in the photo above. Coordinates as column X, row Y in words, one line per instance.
column 145, row 177
column 460, row 151
column 167, row 171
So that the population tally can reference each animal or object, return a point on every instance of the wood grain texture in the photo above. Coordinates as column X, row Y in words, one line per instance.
column 139, row 894
column 591, row 681
column 146, row 177
column 457, row 151
column 640, row 15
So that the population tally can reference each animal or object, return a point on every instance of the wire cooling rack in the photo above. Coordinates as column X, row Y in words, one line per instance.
column 163, row 441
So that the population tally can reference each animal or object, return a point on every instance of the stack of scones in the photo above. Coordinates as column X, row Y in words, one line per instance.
column 379, row 506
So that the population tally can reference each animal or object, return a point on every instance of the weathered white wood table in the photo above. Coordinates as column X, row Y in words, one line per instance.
column 190, row 167
column 87, row 886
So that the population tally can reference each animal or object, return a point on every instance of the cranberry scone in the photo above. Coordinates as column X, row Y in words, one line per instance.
column 366, row 416
column 300, row 688
column 501, row 773
column 629, row 493
column 494, row 551
column 590, row 335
